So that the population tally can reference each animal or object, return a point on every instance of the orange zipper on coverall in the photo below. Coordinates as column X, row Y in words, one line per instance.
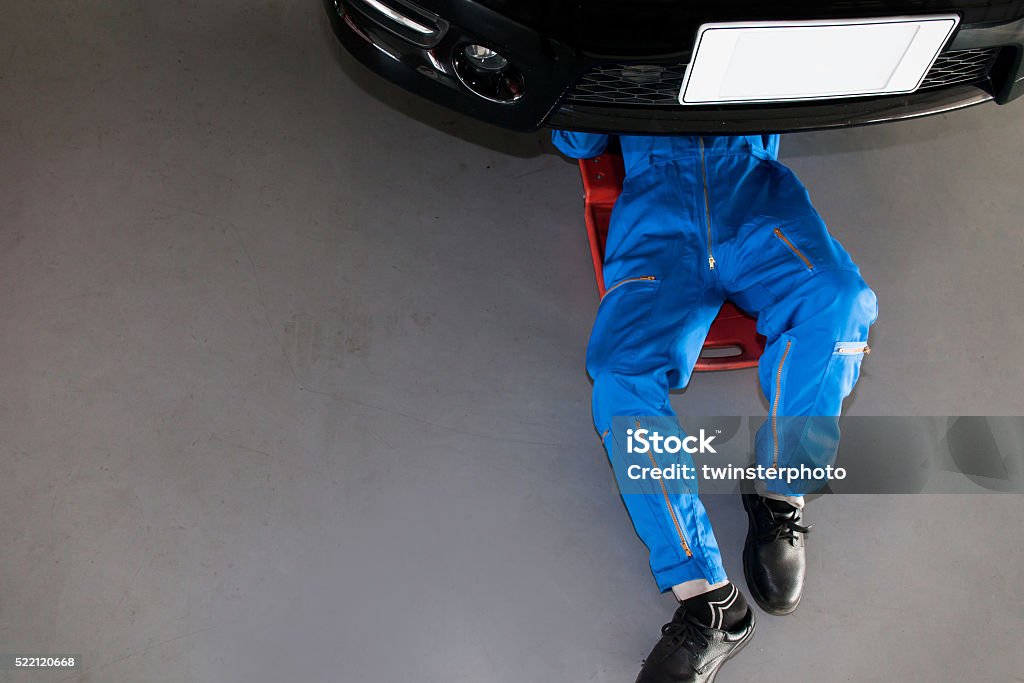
column 668, row 504
column 775, row 405
column 649, row 278
column 707, row 203
column 793, row 248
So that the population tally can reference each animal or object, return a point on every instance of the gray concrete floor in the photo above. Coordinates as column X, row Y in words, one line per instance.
column 291, row 381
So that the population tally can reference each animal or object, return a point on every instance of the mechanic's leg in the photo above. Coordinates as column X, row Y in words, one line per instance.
column 818, row 333
column 649, row 330
column 812, row 304
column 815, row 310
column 646, row 339
column 647, row 336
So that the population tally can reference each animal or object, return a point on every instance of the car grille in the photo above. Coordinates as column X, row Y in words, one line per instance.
column 960, row 66
column 659, row 84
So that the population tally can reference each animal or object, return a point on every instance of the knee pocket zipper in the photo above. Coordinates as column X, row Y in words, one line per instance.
column 841, row 374
column 852, row 348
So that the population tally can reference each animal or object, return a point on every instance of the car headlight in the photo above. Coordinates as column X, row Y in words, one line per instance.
column 488, row 74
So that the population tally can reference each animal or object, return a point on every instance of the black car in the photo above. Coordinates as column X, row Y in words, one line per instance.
column 668, row 66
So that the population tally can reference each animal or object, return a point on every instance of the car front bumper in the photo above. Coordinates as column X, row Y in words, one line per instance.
column 552, row 70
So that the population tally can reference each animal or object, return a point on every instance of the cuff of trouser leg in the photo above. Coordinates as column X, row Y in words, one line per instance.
column 691, row 589
column 764, row 490
column 687, row 571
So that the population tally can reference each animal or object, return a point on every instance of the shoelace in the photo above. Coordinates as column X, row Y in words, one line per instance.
column 685, row 633
column 783, row 527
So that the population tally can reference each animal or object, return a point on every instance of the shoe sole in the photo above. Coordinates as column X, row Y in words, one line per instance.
column 751, row 585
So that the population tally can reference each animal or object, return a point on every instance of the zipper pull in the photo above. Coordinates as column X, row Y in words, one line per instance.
column 711, row 262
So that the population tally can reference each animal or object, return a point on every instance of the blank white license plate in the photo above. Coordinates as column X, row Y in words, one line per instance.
column 802, row 60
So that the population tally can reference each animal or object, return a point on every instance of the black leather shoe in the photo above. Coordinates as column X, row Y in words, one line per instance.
column 690, row 652
column 773, row 555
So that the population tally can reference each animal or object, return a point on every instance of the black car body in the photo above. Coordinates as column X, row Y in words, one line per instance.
column 617, row 66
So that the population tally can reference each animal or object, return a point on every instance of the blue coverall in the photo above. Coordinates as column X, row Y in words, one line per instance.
column 701, row 220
